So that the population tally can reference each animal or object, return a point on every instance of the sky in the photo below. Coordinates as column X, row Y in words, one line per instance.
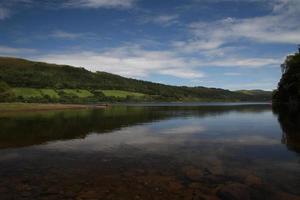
column 230, row 44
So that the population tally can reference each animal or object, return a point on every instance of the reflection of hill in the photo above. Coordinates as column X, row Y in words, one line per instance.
column 212, row 110
column 30, row 129
column 37, row 128
column 290, row 124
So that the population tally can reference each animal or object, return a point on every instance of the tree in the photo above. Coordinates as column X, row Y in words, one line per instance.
column 288, row 91
column 6, row 94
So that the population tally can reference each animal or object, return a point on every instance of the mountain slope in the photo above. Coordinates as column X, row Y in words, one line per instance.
column 20, row 73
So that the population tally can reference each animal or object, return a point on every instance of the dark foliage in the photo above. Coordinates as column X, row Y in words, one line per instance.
column 288, row 91
column 6, row 93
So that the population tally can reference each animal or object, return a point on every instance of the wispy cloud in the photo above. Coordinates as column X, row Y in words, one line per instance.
column 130, row 61
column 245, row 62
column 6, row 7
column 197, row 45
column 182, row 73
column 10, row 51
column 99, row 3
column 165, row 20
column 218, row 43
column 280, row 26
column 4, row 13
column 65, row 35
column 137, row 62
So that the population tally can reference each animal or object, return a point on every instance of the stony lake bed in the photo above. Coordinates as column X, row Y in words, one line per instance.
column 158, row 151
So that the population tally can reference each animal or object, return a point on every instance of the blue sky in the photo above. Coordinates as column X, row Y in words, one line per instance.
column 231, row 44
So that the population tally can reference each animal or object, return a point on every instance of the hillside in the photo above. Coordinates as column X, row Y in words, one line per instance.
column 261, row 93
column 42, row 82
column 288, row 91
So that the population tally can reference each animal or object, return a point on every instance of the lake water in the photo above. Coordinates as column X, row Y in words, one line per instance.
column 166, row 151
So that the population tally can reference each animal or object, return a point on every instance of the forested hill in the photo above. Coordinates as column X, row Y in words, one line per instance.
column 25, row 80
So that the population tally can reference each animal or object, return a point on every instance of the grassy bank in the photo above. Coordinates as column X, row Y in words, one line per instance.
column 15, row 107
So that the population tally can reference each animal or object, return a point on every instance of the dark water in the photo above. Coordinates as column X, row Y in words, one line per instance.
column 211, row 151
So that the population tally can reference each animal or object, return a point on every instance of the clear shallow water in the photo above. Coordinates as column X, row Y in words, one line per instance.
column 182, row 151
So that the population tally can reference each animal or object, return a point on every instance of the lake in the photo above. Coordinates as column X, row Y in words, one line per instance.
column 151, row 151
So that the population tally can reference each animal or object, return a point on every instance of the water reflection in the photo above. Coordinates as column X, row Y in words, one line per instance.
column 25, row 129
column 289, row 120
column 150, row 152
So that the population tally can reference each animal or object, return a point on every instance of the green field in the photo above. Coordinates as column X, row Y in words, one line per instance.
column 27, row 93
column 34, row 93
column 50, row 92
column 121, row 93
column 78, row 92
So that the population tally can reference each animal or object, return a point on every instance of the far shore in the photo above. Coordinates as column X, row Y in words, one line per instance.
column 27, row 107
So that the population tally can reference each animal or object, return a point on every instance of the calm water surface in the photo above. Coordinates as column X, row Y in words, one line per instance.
column 167, row 151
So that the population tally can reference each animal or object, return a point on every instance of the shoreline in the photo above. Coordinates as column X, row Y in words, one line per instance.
column 35, row 107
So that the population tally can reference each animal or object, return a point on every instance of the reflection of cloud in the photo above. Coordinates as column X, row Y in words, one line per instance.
column 190, row 129
column 175, row 133
column 8, row 156
column 136, row 135
column 248, row 140
column 94, row 142
column 145, row 136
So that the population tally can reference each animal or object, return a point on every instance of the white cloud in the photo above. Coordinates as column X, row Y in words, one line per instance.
column 163, row 20
column 245, row 62
column 136, row 62
column 99, row 3
column 197, row 45
column 280, row 26
column 130, row 61
column 182, row 73
column 65, row 35
column 218, row 41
